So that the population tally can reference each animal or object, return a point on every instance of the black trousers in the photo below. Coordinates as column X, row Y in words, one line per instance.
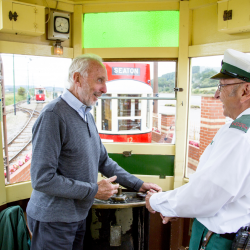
column 56, row 235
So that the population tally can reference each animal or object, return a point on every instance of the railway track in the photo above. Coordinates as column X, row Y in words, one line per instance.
column 20, row 145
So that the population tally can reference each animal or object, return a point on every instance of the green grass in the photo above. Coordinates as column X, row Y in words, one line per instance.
column 9, row 98
column 195, row 107
column 170, row 105
column 210, row 90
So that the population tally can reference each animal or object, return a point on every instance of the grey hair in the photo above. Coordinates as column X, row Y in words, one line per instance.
column 81, row 64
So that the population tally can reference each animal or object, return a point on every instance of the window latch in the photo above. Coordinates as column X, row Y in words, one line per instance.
column 14, row 16
column 127, row 153
column 178, row 89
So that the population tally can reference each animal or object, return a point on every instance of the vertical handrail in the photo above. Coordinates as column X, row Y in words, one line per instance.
column 5, row 127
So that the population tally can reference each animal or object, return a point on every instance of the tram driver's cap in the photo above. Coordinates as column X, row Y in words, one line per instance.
column 235, row 64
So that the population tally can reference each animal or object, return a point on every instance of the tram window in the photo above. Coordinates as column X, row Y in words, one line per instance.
column 94, row 113
column 129, row 107
column 205, row 112
column 29, row 82
column 127, row 124
column 107, row 114
column 148, row 113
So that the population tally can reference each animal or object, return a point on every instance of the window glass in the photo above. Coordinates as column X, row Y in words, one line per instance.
column 129, row 107
column 143, row 103
column 205, row 112
column 129, row 124
column 107, row 114
column 148, row 113
column 131, row 29
column 28, row 84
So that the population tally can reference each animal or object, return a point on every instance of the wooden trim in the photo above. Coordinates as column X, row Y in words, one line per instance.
column 18, row 191
column 197, row 4
column 108, row 6
column 32, row 49
column 140, row 148
column 213, row 49
column 160, row 52
column 182, row 97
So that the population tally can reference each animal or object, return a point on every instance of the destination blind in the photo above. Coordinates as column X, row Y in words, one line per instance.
column 125, row 71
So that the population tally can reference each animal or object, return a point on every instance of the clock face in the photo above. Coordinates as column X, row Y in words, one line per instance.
column 61, row 24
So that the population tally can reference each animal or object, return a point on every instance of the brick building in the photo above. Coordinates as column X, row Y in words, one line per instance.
column 212, row 119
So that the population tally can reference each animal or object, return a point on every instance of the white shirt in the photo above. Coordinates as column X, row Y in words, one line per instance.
column 76, row 104
column 218, row 193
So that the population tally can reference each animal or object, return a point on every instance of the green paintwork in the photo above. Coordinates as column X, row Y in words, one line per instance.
column 131, row 29
column 162, row 165
column 242, row 123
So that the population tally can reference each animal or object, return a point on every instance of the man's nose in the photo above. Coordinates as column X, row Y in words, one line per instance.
column 217, row 94
column 104, row 88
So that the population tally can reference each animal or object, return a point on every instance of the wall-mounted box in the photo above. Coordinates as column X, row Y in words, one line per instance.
column 234, row 16
column 21, row 18
column 59, row 26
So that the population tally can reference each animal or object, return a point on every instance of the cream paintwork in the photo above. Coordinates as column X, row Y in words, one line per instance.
column 127, row 6
column 240, row 21
column 219, row 48
column 32, row 49
column 30, row 20
column 182, row 97
column 141, row 148
column 197, row 4
column 163, row 52
column 19, row 191
column 77, row 36
column 166, row 184
column 205, row 28
column 2, row 178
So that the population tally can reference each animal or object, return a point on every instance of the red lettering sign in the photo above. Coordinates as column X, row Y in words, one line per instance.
column 238, row 124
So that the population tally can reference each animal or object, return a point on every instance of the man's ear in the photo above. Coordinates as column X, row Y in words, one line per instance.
column 76, row 78
column 245, row 93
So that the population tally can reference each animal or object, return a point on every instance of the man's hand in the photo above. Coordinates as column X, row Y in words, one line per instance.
column 149, row 194
column 106, row 189
column 148, row 185
column 165, row 219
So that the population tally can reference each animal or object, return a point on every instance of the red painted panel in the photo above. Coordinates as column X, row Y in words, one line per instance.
column 145, row 138
column 42, row 98
column 117, row 70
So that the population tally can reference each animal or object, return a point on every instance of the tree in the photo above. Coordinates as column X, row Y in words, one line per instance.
column 195, row 69
column 21, row 91
column 202, row 80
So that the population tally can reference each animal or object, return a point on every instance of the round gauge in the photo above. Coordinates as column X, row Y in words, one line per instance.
column 61, row 24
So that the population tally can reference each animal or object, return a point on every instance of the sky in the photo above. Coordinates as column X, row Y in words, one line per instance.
column 35, row 70
column 52, row 71
column 208, row 61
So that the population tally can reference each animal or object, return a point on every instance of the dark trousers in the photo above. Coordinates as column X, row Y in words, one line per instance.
column 216, row 242
column 56, row 235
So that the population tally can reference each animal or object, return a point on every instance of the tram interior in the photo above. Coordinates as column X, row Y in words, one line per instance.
column 157, row 134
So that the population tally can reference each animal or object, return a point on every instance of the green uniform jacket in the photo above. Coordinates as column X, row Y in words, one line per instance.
column 14, row 234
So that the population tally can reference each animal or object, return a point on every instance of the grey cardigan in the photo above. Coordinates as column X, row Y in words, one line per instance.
column 67, row 154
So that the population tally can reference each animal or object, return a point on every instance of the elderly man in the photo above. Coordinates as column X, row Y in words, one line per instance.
column 218, row 193
column 67, row 155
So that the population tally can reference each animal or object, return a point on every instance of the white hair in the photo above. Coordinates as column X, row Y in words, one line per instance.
column 81, row 64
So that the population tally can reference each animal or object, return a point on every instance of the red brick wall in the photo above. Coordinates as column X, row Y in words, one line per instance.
column 193, row 153
column 22, row 174
column 167, row 130
column 212, row 119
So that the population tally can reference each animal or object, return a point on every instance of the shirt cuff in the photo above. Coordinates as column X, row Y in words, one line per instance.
column 163, row 207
